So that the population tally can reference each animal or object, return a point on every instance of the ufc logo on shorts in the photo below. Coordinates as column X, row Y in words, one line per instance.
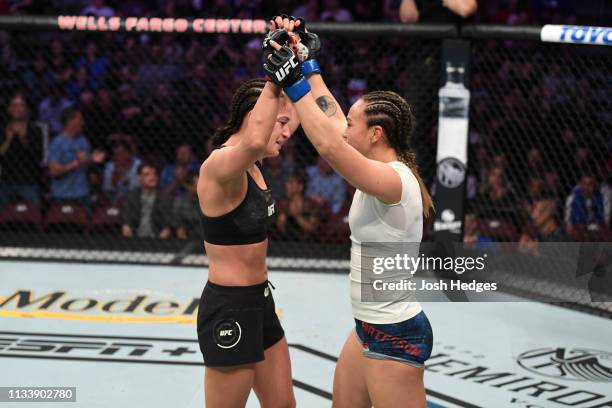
column 282, row 73
column 270, row 210
column 225, row 333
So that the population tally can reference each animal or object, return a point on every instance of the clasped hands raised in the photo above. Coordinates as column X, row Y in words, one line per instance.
column 290, row 53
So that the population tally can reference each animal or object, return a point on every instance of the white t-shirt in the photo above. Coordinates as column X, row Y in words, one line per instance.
column 372, row 221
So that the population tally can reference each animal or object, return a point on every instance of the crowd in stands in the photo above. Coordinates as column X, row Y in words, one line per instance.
column 122, row 122
column 151, row 200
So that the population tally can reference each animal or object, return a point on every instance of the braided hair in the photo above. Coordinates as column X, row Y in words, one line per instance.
column 392, row 113
column 243, row 101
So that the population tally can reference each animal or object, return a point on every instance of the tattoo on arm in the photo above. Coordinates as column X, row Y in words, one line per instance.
column 327, row 105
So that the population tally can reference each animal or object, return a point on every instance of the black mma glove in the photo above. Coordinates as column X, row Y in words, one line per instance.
column 309, row 40
column 280, row 36
column 312, row 43
column 283, row 69
column 308, row 49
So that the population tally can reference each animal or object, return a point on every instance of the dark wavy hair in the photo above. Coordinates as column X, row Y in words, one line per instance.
column 243, row 101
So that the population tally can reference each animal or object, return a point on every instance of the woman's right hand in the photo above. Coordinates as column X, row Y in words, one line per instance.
column 306, row 42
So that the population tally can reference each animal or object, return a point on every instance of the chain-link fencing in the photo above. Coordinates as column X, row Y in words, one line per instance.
column 539, row 144
column 156, row 99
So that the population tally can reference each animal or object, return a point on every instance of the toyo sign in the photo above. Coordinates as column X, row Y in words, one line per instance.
column 577, row 34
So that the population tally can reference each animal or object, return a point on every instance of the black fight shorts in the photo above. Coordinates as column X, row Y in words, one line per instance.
column 236, row 324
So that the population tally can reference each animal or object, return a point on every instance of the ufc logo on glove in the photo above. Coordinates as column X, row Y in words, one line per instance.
column 282, row 73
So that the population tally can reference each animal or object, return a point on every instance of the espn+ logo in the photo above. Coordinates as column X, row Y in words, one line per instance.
column 286, row 68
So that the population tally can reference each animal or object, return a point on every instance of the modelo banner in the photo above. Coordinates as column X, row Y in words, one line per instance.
column 131, row 307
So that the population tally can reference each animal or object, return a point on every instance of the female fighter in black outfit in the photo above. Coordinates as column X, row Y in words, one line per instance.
column 239, row 333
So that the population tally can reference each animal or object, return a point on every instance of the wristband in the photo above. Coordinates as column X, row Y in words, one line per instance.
column 310, row 67
column 296, row 91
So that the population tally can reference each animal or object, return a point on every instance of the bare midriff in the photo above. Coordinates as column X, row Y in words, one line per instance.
column 237, row 265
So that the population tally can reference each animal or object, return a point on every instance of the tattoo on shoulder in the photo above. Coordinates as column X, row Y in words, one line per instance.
column 327, row 105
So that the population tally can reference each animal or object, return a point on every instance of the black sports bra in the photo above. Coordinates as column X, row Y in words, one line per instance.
column 246, row 224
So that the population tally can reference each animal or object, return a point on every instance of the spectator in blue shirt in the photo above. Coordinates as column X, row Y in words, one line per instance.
column 325, row 186
column 586, row 206
column 69, row 157
column 472, row 236
column 121, row 171
column 173, row 178
column 95, row 64
column 51, row 108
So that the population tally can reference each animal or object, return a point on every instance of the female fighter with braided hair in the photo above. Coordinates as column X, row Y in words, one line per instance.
column 382, row 362
column 240, row 336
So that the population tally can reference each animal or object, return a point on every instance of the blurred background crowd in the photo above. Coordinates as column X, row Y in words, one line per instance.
column 588, row 12
column 116, row 125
